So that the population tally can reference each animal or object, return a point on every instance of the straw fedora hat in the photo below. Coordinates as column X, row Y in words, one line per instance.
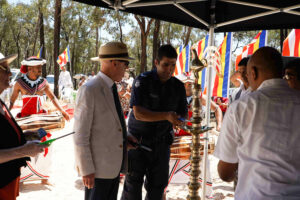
column 113, row 51
column 7, row 59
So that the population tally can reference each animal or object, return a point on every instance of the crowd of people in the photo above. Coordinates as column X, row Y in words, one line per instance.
column 257, row 146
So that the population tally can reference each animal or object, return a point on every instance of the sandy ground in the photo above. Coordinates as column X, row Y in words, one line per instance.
column 68, row 186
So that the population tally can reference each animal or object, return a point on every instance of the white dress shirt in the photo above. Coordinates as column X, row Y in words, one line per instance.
column 65, row 79
column 261, row 132
column 243, row 90
column 90, row 77
column 109, row 82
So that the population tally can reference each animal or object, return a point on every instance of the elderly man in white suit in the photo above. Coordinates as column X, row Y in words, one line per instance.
column 100, row 131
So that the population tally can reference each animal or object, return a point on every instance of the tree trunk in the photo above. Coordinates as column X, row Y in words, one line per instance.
column 97, row 47
column 144, row 34
column 143, row 54
column 1, row 38
column 36, row 34
column 187, row 36
column 74, row 71
column 16, row 37
column 73, row 54
column 162, row 34
column 42, row 42
column 57, row 23
column 168, row 34
column 26, row 46
column 50, row 65
column 283, row 35
column 155, row 41
column 281, row 39
column 6, row 48
column 120, row 27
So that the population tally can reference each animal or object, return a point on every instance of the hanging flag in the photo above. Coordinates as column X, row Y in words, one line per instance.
column 40, row 53
column 200, row 47
column 221, row 83
column 64, row 57
column 260, row 40
column 183, row 59
column 291, row 45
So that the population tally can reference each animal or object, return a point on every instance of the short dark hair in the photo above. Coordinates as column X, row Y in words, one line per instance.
column 244, row 61
column 294, row 64
column 166, row 50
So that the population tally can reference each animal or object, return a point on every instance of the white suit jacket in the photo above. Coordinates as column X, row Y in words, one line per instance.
column 98, row 132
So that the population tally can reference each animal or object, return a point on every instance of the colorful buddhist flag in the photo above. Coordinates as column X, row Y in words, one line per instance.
column 64, row 57
column 221, row 83
column 183, row 60
column 40, row 53
column 260, row 40
column 291, row 45
column 200, row 47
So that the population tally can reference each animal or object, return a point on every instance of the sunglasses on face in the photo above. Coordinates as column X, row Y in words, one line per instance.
column 6, row 69
column 123, row 61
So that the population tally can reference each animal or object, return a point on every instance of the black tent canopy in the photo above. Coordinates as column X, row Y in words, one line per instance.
column 223, row 15
column 214, row 16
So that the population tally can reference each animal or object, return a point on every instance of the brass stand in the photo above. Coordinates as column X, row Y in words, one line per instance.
column 196, row 130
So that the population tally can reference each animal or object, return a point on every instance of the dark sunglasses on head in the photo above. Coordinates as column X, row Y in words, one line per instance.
column 6, row 69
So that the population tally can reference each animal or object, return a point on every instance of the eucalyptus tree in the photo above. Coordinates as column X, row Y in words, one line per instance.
column 78, row 33
column 145, row 25
column 97, row 19
column 57, row 24
column 155, row 41
column 22, row 24
column 116, row 22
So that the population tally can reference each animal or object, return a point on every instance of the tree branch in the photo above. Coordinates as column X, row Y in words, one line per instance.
column 149, row 25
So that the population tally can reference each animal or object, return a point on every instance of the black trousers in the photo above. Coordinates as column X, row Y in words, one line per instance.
column 154, row 165
column 104, row 189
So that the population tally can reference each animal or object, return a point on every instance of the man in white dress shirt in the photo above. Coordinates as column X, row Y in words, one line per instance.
column 260, row 134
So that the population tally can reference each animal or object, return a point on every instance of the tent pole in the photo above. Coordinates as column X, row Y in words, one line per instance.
column 209, row 85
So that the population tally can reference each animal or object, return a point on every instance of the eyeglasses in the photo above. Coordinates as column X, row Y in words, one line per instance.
column 6, row 69
column 288, row 76
column 124, row 61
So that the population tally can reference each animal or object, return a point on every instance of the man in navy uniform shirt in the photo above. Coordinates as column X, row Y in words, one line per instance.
column 158, row 101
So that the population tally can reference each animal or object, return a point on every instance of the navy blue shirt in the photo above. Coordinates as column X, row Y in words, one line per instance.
column 150, row 93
